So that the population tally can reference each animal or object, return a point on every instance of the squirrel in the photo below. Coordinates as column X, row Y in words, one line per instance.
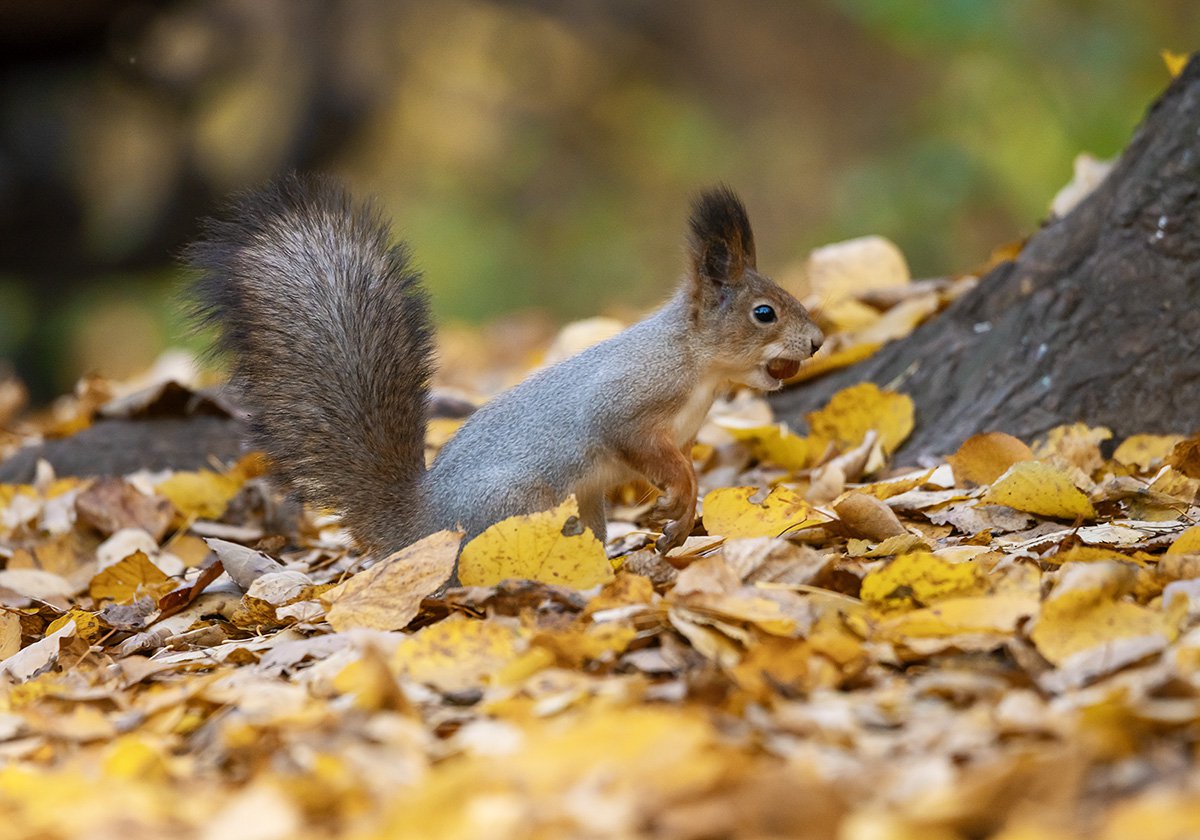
column 332, row 343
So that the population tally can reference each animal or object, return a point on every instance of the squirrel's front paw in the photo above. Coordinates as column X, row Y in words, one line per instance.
column 674, row 533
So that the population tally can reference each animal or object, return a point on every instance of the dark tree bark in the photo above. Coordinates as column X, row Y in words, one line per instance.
column 1098, row 318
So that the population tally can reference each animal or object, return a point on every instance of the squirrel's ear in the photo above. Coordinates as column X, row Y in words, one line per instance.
column 720, row 241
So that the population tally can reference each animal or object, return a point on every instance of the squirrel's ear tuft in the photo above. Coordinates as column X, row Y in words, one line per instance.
column 721, row 242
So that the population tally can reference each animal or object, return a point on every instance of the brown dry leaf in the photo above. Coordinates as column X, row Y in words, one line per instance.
column 868, row 517
column 112, row 504
column 854, row 411
column 551, row 547
column 1185, row 457
column 984, row 458
column 388, row 595
column 1040, row 488
column 131, row 578
column 729, row 512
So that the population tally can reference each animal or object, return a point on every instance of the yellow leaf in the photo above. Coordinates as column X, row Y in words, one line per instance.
column 551, row 547
column 135, row 758
column 1040, row 488
column 10, row 634
column 919, row 578
column 459, row 652
column 983, row 458
column 1175, row 62
column 1085, row 554
column 130, row 578
column 1145, row 451
column 202, row 494
column 439, row 430
column 1186, row 543
column 854, row 411
column 388, row 595
column 87, row 626
column 960, row 616
column 820, row 365
column 1075, row 443
column 778, row 445
column 729, row 512
column 1084, row 617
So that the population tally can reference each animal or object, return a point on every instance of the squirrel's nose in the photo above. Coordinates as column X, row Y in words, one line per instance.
column 816, row 342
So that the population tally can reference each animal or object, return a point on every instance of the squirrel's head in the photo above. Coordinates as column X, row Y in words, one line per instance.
column 758, row 333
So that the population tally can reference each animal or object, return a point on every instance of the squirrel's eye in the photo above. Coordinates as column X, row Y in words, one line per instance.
column 764, row 314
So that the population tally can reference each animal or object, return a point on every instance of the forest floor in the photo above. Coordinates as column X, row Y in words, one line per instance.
column 1005, row 644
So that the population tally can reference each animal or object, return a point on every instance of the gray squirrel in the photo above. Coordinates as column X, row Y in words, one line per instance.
column 331, row 340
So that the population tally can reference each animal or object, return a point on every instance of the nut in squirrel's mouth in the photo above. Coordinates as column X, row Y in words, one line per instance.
column 782, row 369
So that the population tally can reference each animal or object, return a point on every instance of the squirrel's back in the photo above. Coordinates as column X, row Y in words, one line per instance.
column 329, row 331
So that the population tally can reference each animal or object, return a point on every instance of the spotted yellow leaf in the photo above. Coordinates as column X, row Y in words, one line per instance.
column 856, row 410
column 919, row 578
column 87, row 626
column 729, row 512
column 459, row 652
column 1040, row 488
column 551, row 546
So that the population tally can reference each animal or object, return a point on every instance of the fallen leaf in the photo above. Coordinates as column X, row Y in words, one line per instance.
column 996, row 614
column 112, row 504
column 551, row 547
column 1175, row 61
column 1086, row 629
column 458, row 653
column 1186, row 543
column 133, row 577
column 1146, row 452
column 854, row 411
column 1075, row 443
column 388, row 595
column 729, row 512
column 868, row 517
column 984, row 458
column 1040, row 488
column 919, row 578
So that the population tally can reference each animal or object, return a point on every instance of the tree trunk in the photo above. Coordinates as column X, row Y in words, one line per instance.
column 1098, row 318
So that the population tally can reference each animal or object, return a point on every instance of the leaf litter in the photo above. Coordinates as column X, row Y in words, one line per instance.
column 1003, row 645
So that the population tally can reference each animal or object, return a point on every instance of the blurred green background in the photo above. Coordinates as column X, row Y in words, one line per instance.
column 536, row 154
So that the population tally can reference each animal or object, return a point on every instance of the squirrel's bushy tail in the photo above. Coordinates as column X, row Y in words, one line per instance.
column 329, row 331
